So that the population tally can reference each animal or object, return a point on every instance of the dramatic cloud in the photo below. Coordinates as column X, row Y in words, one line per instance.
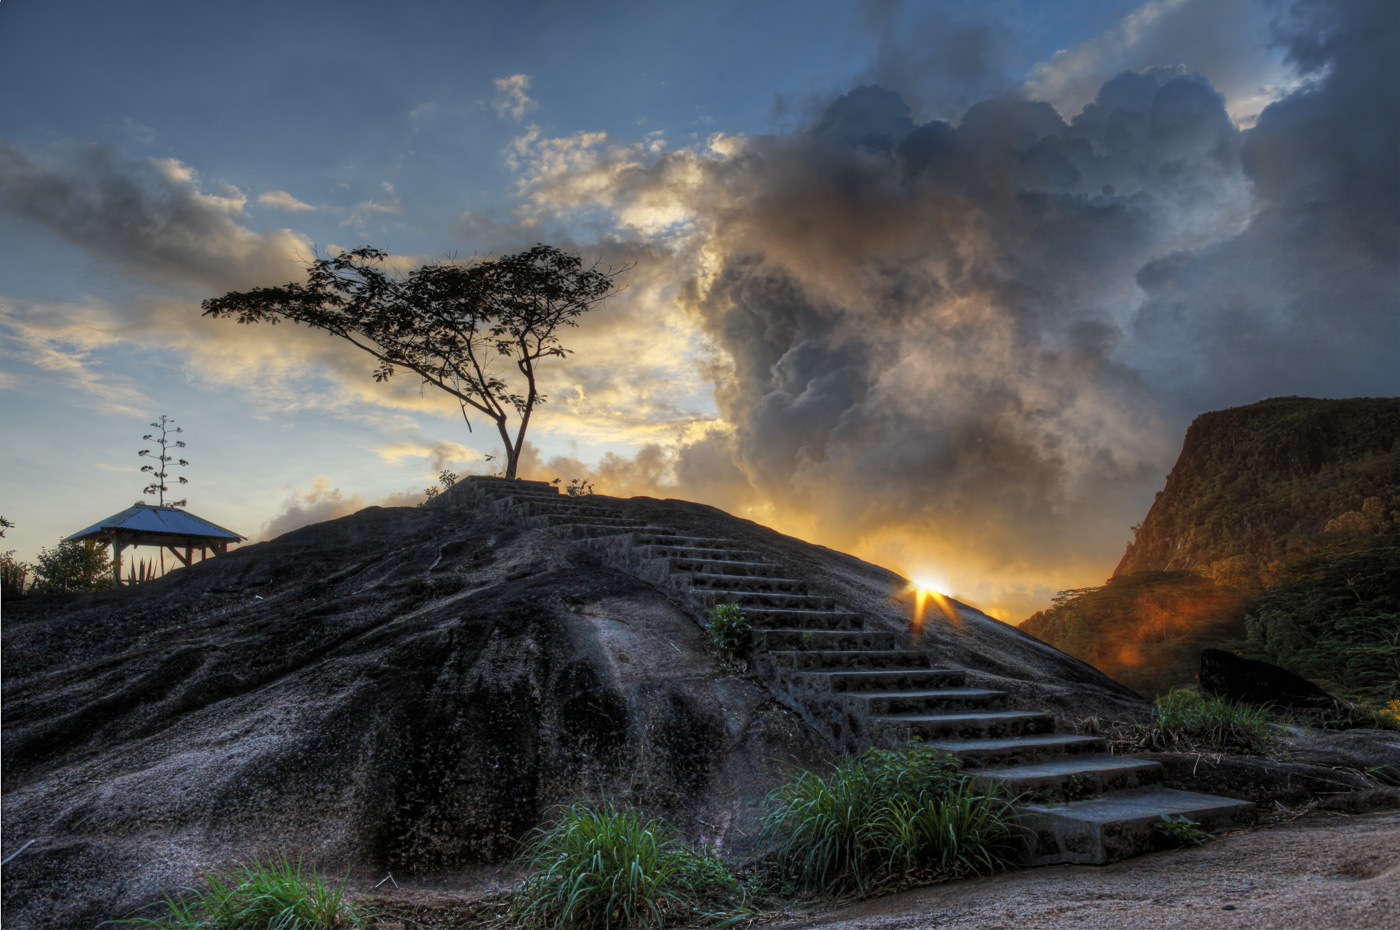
column 1229, row 40
column 973, row 347
column 151, row 217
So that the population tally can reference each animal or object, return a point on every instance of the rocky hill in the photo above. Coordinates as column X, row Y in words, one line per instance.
column 408, row 691
column 1277, row 536
column 1256, row 486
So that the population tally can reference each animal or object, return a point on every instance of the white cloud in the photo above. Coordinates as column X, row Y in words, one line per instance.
column 1229, row 41
column 511, row 100
column 283, row 201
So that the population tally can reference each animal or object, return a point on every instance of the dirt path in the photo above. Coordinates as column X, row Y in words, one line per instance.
column 1316, row 873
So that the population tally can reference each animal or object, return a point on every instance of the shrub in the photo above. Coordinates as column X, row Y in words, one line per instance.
column 275, row 896
column 73, row 566
column 1181, row 831
column 597, row 865
column 729, row 629
column 887, row 816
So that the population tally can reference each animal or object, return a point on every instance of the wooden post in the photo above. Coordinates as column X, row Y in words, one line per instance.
column 116, row 561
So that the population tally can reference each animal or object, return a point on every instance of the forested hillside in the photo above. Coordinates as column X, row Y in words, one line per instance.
column 1277, row 536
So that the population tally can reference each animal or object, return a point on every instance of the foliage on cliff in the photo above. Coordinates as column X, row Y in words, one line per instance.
column 1257, row 486
column 1277, row 537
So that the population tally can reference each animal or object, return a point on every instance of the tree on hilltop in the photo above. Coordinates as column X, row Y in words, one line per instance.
column 460, row 327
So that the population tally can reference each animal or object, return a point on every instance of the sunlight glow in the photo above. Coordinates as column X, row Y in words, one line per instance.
column 926, row 588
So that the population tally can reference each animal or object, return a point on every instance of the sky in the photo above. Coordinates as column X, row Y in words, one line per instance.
column 940, row 284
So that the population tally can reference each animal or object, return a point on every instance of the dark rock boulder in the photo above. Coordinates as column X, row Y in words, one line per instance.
column 1226, row 675
column 408, row 690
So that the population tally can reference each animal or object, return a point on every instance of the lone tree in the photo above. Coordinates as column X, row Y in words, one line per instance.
column 457, row 326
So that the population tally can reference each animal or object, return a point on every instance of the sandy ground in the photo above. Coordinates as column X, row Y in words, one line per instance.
column 1319, row 872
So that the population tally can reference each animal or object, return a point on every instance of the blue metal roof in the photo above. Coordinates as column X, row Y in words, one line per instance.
column 148, row 518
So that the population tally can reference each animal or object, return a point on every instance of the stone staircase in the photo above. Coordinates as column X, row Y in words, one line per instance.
column 862, row 688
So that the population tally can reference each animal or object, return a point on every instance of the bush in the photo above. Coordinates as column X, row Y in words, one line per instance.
column 73, row 566
column 888, row 816
column 600, row 866
column 729, row 629
column 275, row 896
column 1187, row 721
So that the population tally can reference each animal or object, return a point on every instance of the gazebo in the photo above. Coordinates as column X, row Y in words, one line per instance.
column 144, row 524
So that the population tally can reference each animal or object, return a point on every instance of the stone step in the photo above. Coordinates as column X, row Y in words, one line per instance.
column 1018, row 750
column 674, row 540
column 928, row 701
column 812, row 659
column 599, row 532
column 797, row 639
column 563, row 506
column 696, row 554
column 704, row 581
column 967, row 725
column 705, row 599
column 778, row 618
column 1120, row 825
column 558, row 519
column 707, row 566
column 1072, row 778
column 841, row 680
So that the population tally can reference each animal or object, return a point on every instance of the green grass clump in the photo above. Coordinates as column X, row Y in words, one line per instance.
column 729, row 629
column 598, row 866
column 265, row 896
column 885, row 817
column 1188, row 721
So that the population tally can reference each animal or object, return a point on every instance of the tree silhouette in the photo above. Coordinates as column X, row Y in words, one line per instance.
column 460, row 327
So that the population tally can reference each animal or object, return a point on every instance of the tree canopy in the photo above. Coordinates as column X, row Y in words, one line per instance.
column 460, row 327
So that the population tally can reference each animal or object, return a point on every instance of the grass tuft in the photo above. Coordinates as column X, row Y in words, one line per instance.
column 599, row 866
column 267, row 896
column 887, row 817
column 1190, row 722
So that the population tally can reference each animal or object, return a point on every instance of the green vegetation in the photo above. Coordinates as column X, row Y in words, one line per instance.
column 599, row 866
column 446, row 479
column 1336, row 620
column 1259, row 485
column 12, row 571
column 274, row 896
column 72, row 566
column 1181, row 831
column 729, row 629
column 1281, row 522
column 1189, row 722
column 1147, row 629
column 886, row 817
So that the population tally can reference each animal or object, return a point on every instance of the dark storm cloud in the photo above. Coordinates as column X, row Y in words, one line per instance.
column 977, row 343
column 1307, row 299
column 926, row 321
column 150, row 216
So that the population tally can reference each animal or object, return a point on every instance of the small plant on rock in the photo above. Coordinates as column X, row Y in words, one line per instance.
column 729, row 629
column 599, row 866
column 1181, row 831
